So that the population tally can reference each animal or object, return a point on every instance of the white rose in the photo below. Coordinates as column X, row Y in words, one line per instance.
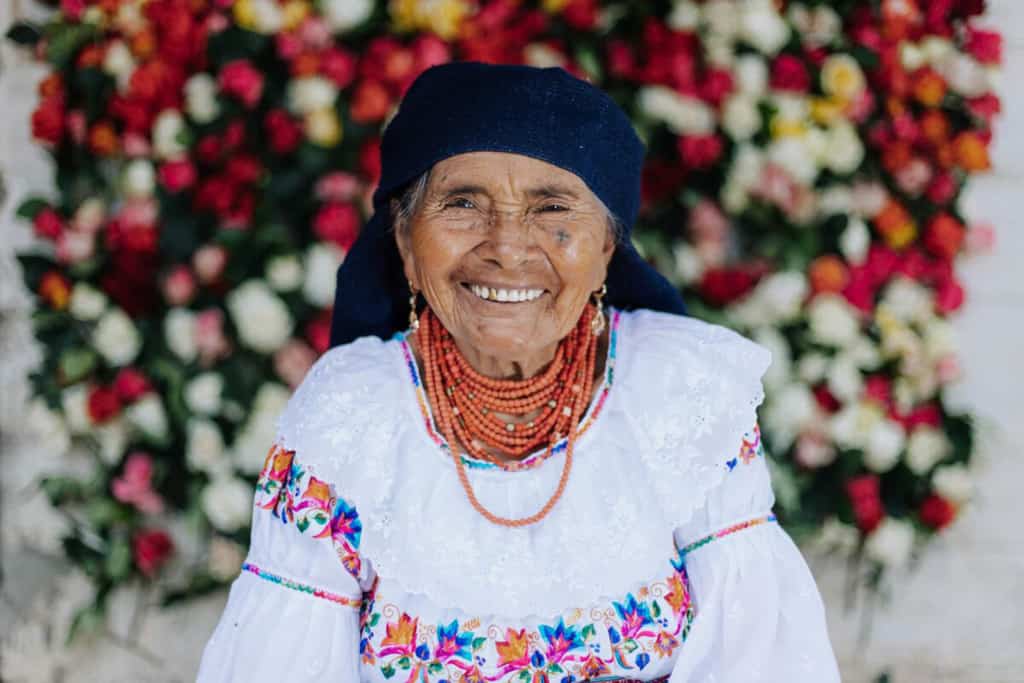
column 953, row 482
column 832, row 320
column 205, row 449
column 778, row 372
column 908, row 300
column 936, row 49
column 741, row 118
column 734, row 196
column 685, row 16
column 844, row 378
column 864, row 352
column 851, row 426
column 180, row 333
column 148, row 416
column 719, row 51
column 322, row 261
column 912, row 57
column 543, row 56
column 342, row 15
column 225, row 558
column 203, row 393
column 119, row 63
column 260, row 428
column 792, row 154
column 940, row 338
column 227, row 503
column 825, row 26
column 835, row 200
column 689, row 266
column 112, row 437
column 168, row 129
column 262, row 319
column 201, row 98
column 284, row 273
column 683, row 115
column 844, row 150
column 751, row 74
column 836, row 536
column 311, row 93
column 87, row 302
column 138, row 179
column 855, row 240
column 778, row 298
column 812, row 366
column 926, row 447
column 762, row 27
column 48, row 427
column 891, row 543
column 268, row 18
column 788, row 412
column 964, row 75
column 74, row 403
column 129, row 18
column 883, row 446
column 721, row 18
column 116, row 338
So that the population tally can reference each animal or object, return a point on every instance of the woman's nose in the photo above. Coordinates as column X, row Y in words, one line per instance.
column 509, row 240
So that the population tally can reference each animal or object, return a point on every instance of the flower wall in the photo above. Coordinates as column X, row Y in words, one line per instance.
column 214, row 162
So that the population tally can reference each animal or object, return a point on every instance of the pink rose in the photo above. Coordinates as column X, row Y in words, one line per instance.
column 339, row 186
column 177, row 175
column 76, row 125
column 48, row 224
column 814, row 450
column 130, row 385
column 337, row 223
column 135, row 145
column 913, row 177
column 981, row 238
column 289, row 46
column 75, row 247
column 315, row 33
column 209, row 262
column 338, row 65
column 985, row 46
column 242, row 80
column 134, row 486
column 179, row 286
column 293, row 360
column 210, row 340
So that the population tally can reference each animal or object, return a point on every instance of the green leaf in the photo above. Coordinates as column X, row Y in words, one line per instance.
column 656, row 609
column 387, row 670
column 404, row 662
column 24, row 33
column 630, row 645
column 85, row 621
column 588, row 632
column 118, row 563
column 435, row 667
column 478, row 643
column 375, row 619
column 76, row 363
column 30, row 207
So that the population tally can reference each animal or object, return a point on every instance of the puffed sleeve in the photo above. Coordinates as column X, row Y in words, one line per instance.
column 293, row 612
column 759, row 616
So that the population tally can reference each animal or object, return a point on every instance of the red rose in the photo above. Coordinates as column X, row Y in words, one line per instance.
column 241, row 80
column 716, row 86
column 369, row 160
column 859, row 290
column 130, row 283
column 878, row 388
column 48, row 224
column 337, row 223
column 130, row 384
column 789, row 73
column 371, row 102
column 720, row 286
column 985, row 46
column 986, row 107
column 937, row 512
column 151, row 549
column 215, row 194
column 865, row 497
column 234, row 135
column 48, row 121
column 284, row 132
column 881, row 263
column 927, row 414
column 942, row 188
column 581, row 14
column 659, row 180
column 621, row 62
column 244, row 168
column 429, row 50
column 72, row 9
column 177, row 175
column 699, row 151
column 828, row 402
column 949, row 296
column 339, row 66
column 208, row 149
column 944, row 236
column 103, row 404
column 318, row 332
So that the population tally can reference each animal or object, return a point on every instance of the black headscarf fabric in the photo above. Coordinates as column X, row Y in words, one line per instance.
column 464, row 107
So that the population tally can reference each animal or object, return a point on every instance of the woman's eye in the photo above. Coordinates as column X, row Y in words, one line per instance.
column 460, row 203
column 548, row 208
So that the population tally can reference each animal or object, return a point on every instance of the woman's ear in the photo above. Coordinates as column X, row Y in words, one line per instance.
column 404, row 244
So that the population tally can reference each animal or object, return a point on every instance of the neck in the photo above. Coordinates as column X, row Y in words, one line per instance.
column 499, row 367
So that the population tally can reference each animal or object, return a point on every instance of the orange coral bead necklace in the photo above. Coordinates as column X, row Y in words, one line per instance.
column 468, row 405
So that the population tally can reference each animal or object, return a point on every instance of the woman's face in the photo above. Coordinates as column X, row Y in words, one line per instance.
column 507, row 250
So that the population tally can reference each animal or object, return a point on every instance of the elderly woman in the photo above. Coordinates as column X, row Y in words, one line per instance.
column 519, row 462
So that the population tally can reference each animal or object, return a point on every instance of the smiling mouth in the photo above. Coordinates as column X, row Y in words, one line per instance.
column 502, row 295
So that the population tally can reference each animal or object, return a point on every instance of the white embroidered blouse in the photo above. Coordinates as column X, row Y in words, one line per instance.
column 661, row 562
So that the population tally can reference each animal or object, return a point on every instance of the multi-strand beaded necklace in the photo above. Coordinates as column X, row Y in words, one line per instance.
column 473, row 410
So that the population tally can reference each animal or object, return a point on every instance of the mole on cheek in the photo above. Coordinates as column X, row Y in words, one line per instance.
column 562, row 236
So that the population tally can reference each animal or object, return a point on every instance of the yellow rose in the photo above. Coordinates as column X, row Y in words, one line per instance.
column 554, row 6
column 787, row 128
column 842, row 77
column 295, row 12
column 443, row 17
column 323, row 127
column 826, row 110
column 245, row 14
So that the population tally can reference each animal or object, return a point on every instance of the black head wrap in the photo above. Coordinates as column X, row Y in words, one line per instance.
column 464, row 107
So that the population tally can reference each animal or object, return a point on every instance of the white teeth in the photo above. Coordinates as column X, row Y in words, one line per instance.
column 505, row 295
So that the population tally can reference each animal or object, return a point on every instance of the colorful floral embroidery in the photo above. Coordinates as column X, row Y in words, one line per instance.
column 539, row 457
column 302, row 587
column 582, row 645
column 295, row 497
column 750, row 448
column 721, row 533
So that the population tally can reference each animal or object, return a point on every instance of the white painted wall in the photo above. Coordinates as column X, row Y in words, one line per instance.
column 958, row 617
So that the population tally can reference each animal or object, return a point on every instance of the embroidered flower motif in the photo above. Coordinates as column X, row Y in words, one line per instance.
column 514, row 650
column 665, row 644
column 400, row 638
column 634, row 616
column 751, row 447
column 560, row 639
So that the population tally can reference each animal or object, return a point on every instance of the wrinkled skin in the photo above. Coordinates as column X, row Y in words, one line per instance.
column 506, row 221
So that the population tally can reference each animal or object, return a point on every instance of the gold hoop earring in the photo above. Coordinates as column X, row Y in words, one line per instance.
column 597, row 325
column 414, row 321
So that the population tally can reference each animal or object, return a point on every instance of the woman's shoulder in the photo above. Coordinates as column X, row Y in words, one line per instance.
column 661, row 342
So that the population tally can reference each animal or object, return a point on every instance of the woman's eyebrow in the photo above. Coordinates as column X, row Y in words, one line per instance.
column 463, row 188
column 552, row 190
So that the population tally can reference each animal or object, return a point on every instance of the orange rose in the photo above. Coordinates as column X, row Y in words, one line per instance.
column 929, row 87
column 370, row 102
column 944, row 236
column 828, row 273
column 143, row 44
column 90, row 56
column 103, row 139
column 55, row 290
column 51, row 86
column 306, row 64
column 895, row 225
column 935, row 126
column 896, row 156
column 971, row 152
